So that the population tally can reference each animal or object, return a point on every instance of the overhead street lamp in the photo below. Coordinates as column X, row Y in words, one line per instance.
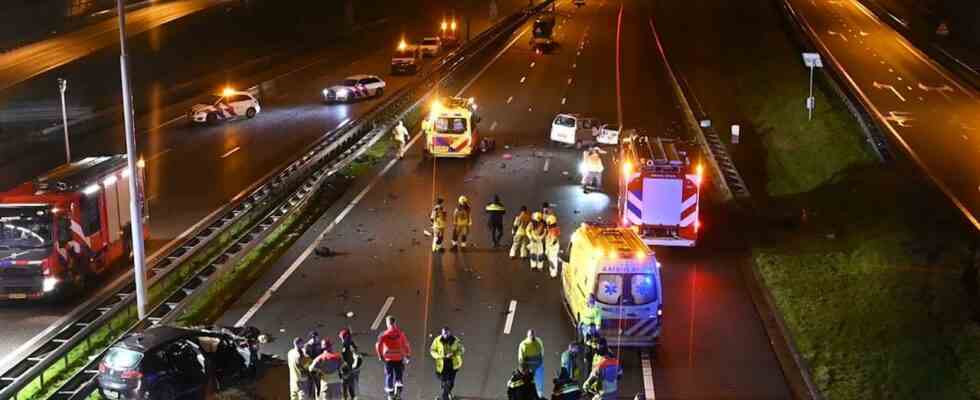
column 62, row 87
column 135, row 212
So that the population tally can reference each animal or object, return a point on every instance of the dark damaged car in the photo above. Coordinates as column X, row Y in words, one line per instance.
column 168, row 362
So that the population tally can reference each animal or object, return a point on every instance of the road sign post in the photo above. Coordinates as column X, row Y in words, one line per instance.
column 811, row 60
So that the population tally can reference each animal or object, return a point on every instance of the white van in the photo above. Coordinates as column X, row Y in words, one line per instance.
column 573, row 129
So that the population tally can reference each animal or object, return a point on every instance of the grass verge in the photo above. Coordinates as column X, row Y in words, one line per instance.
column 873, row 274
column 56, row 375
column 878, row 289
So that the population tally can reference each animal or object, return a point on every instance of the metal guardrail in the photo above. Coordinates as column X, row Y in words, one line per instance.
column 309, row 166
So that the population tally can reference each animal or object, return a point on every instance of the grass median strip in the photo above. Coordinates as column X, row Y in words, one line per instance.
column 52, row 379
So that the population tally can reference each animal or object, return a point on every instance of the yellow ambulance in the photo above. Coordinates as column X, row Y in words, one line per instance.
column 613, row 264
column 450, row 129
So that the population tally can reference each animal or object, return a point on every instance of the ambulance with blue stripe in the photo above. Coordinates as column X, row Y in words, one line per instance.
column 450, row 129
column 612, row 264
column 659, row 191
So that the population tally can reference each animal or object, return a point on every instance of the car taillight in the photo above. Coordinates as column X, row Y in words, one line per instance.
column 131, row 374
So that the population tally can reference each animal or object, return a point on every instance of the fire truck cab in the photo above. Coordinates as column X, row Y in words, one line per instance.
column 450, row 129
column 659, row 191
column 612, row 264
column 64, row 227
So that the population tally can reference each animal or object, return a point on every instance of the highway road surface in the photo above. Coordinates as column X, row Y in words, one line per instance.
column 926, row 109
column 34, row 59
column 713, row 344
column 192, row 171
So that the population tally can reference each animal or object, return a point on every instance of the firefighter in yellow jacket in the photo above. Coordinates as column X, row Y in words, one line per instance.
column 521, row 221
column 551, row 243
column 535, row 238
column 447, row 351
column 461, row 222
column 438, row 219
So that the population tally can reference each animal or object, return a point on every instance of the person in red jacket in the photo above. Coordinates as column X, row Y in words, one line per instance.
column 393, row 350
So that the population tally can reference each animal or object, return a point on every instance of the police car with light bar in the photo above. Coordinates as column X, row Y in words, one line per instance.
column 230, row 104
column 354, row 88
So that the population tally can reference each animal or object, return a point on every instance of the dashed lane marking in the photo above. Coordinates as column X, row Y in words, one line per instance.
column 511, row 311
column 546, row 162
column 648, row 391
column 158, row 155
column 510, row 99
column 523, row 78
column 382, row 313
column 563, row 99
column 493, row 125
column 232, row 151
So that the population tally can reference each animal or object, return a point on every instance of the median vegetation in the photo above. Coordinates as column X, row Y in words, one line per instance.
column 870, row 266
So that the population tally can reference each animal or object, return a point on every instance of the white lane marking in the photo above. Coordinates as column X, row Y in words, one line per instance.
column 340, row 217
column 182, row 116
column 493, row 125
column 511, row 311
column 867, row 12
column 936, row 68
column 532, row 64
column 230, row 152
column 546, row 162
column 569, row 81
column 648, row 390
column 574, row 65
column 528, row 108
column 158, row 155
column 382, row 313
column 888, row 87
column 510, row 99
column 494, row 60
column 523, row 78
column 563, row 99
column 309, row 249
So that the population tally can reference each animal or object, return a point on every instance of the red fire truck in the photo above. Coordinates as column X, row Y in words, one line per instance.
column 659, row 191
column 65, row 227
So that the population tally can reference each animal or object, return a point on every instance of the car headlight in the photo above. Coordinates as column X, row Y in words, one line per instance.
column 342, row 92
column 326, row 92
column 49, row 283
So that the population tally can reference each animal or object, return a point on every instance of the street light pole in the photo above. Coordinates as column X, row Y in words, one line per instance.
column 62, row 87
column 135, row 212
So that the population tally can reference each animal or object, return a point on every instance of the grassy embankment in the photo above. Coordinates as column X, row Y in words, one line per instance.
column 875, row 285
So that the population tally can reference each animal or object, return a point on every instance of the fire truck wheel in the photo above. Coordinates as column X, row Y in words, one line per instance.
column 250, row 113
column 212, row 118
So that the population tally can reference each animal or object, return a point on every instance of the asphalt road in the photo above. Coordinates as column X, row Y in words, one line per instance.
column 713, row 345
column 192, row 171
column 29, row 61
column 927, row 110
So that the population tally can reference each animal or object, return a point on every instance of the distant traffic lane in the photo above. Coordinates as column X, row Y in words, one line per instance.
column 929, row 113
column 34, row 59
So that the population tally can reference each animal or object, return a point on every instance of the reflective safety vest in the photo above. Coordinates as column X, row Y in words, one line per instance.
column 442, row 349
column 521, row 222
column 392, row 345
column 531, row 352
column 592, row 316
column 461, row 217
column 438, row 218
column 535, row 231
column 593, row 163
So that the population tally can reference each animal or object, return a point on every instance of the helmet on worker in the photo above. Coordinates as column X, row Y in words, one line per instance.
column 537, row 216
column 463, row 200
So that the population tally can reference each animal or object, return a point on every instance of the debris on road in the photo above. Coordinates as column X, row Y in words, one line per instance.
column 324, row 251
